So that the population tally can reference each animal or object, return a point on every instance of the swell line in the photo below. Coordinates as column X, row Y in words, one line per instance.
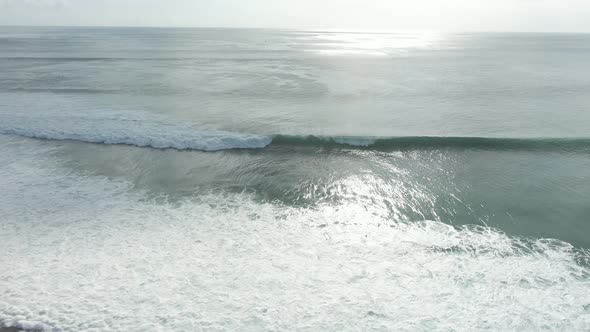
column 145, row 130
column 437, row 142
column 217, row 142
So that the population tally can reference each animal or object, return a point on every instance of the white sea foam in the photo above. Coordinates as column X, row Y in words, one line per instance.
column 125, row 128
column 85, row 253
column 138, row 129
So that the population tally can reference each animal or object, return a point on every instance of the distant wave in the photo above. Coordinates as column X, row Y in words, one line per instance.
column 66, row 90
column 129, row 129
column 207, row 58
column 51, row 58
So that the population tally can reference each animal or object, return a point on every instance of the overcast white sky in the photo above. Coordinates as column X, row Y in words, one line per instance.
column 446, row 15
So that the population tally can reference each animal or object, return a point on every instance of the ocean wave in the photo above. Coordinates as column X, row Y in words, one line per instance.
column 127, row 129
column 65, row 90
column 436, row 142
column 149, row 131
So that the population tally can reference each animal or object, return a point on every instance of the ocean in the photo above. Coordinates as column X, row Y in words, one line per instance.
column 163, row 179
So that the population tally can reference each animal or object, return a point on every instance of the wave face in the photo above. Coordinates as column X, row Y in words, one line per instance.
column 436, row 142
column 145, row 131
column 86, row 253
column 118, row 128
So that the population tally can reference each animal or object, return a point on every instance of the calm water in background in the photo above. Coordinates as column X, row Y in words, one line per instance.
column 300, row 192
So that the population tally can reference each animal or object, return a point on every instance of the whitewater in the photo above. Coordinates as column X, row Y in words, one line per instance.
column 88, row 253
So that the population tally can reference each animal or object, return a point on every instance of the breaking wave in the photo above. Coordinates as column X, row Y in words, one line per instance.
column 122, row 129
column 160, row 134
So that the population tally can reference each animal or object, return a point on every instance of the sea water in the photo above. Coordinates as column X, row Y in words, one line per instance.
column 254, row 180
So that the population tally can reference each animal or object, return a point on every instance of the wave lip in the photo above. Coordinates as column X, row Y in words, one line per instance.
column 436, row 142
column 118, row 129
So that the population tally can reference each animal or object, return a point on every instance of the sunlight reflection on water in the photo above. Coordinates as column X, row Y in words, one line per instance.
column 372, row 44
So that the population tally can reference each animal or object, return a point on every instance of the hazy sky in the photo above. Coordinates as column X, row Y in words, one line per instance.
column 486, row 15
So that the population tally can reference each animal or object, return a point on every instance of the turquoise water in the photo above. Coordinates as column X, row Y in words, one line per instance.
column 226, row 179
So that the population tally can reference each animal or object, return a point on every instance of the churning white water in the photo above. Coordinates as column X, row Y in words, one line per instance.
column 87, row 253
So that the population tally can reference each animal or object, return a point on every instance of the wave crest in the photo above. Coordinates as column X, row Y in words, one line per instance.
column 150, row 131
column 436, row 142
column 120, row 129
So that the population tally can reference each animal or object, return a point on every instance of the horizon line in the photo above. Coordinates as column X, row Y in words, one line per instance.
column 343, row 30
